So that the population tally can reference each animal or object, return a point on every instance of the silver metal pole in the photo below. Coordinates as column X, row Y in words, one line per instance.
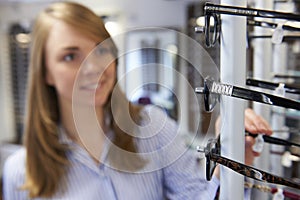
column 280, row 53
column 262, row 66
column 233, row 71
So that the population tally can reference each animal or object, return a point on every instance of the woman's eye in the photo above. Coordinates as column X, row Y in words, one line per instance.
column 69, row 57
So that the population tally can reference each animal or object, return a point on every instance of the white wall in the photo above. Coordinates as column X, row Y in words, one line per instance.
column 139, row 13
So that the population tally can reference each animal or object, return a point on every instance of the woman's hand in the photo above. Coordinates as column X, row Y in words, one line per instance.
column 254, row 124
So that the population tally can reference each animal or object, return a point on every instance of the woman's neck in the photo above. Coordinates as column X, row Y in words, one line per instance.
column 85, row 126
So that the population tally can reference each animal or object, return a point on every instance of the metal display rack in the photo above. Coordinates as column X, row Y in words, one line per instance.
column 233, row 71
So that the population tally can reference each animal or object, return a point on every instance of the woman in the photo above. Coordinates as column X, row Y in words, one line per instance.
column 75, row 108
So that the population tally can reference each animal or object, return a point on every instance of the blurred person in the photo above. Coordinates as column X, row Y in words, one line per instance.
column 133, row 152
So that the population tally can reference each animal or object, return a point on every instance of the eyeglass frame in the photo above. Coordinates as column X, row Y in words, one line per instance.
column 285, row 38
column 212, row 153
column 248, row 12
column 272, row 190
column 287, row 76
column 289, row 88
column 215, row 89
column 217, row 27
column 272, row 25
column 273, row 140
column 214, row 10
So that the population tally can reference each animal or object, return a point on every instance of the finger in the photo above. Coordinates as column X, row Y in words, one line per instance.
column 249, row 141
column 250, row 126
column 255, row 123
column 255, row 154
column 249, row 153
column 218, row 126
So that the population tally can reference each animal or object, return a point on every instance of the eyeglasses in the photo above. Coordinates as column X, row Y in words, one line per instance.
column 278, row 35
column 273, row 140
column 249, row 12
column 212, row 18
column 212, row 91
column 273, row 190
column 211, row 29
column 289, row 88
column 287, row 76
column 260, row 139
column 212, row 154
column 275, row 40
column 272, row 25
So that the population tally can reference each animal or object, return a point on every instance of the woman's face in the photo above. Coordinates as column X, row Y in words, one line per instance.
column 78, row 67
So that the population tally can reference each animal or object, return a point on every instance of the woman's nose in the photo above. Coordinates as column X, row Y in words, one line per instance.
column 92, row 66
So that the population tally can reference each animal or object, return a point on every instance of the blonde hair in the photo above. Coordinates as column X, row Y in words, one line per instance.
column 46, row 158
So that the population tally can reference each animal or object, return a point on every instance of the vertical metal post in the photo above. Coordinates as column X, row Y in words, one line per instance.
column 233, row 71
column 262, row 65
column 279, row 66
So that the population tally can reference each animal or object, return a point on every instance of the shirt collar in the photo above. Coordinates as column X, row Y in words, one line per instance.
column 75, row 148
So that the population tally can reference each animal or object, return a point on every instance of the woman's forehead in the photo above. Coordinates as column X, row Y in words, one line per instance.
column 64, row 35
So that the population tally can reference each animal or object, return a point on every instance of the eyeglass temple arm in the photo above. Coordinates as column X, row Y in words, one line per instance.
column 285, row 37
column 274, row 140
column 272, row 86
column 252, row 172
column 234, row 10
column 278, row 141
column 265, row 98
column 287, row 76
column 252, row 95
column 271, row 25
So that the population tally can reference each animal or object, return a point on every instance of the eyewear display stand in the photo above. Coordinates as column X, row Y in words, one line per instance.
column 262, row 66
column 280, row 52
column 232, row 36
column 233, row 53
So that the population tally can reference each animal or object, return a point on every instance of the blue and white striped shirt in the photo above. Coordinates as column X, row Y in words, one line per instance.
column 173, row 171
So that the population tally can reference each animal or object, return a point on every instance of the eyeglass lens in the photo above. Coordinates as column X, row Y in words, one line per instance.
column 210, row 30
column 210, row 99
column 213, row 148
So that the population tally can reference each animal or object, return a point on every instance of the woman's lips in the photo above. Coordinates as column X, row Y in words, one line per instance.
column 91, row 86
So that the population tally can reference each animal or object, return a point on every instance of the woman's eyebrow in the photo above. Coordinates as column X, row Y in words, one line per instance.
column 70, row 48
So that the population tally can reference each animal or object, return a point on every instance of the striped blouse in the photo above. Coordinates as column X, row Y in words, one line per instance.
column 172, row 171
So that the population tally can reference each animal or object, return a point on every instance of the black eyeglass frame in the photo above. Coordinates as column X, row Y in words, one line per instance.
column 248, row 12
column 287, row 76
column 214, row 10
column 289, row 88
column 210, row 42
column 271, row 25
column 212, row 91
column 273, row 140
column 285, row 38
column 212, row 153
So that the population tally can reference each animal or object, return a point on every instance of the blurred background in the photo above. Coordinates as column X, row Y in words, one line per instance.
column 130, row 20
